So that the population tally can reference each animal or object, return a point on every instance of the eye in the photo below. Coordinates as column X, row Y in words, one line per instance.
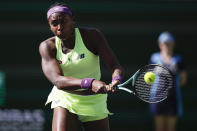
column 54, row 23
column 63, row 21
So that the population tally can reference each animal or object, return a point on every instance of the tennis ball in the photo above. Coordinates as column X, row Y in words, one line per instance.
column 149, row 77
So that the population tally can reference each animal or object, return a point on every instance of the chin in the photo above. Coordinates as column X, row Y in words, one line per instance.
column 61, row 36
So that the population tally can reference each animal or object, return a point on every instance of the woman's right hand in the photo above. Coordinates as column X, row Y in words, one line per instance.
column 101, row 87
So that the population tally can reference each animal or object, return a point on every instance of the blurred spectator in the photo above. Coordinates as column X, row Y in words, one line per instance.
column 166, row 113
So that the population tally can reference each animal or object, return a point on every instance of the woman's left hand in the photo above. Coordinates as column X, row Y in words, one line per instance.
column 112, row 86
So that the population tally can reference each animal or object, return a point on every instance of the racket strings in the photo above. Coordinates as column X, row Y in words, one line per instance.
column 156, row 91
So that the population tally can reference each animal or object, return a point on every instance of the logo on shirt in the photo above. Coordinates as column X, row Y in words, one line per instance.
column 82, row 56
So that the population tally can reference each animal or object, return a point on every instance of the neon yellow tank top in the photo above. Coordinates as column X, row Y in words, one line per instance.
column 80, row 62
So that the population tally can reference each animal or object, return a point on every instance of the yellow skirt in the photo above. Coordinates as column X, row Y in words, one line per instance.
column 89, row 105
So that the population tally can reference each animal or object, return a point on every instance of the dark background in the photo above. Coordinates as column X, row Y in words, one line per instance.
column 131, row 28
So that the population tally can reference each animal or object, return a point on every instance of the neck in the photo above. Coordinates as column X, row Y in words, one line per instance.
column 168, row 54
column 69, row 42
column 166, row 57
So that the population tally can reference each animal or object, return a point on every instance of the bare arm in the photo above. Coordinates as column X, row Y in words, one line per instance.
column 51, row 67
column 183, row 78
column 107, row 55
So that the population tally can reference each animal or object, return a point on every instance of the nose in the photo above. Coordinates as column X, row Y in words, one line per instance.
column 59, row 27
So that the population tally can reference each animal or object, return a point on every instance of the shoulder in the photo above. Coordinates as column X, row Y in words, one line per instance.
column 155, row 55
column 92, row 38
column 47, row 46
column 178, row 57
column 89, row 31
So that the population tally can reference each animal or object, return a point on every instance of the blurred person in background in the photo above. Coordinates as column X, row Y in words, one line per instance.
column 70, row 61
column 167, row 112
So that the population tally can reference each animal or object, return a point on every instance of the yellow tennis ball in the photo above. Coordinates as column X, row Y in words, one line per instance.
column 149, row 77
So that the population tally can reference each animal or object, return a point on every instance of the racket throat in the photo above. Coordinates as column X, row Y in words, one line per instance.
column 127, row 90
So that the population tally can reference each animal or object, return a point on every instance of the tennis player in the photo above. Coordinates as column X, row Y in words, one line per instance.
column 70, row 61
column 167, row 112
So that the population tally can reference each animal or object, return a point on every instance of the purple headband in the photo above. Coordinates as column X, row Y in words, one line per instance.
column 56, row 9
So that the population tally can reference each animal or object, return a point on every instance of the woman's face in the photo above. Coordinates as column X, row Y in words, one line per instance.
column 167, row 47
column 61, row 25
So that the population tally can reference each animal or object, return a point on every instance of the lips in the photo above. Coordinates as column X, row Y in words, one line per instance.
column 63, row 34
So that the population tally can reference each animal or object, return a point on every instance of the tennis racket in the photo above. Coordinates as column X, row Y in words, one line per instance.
column 151, row 93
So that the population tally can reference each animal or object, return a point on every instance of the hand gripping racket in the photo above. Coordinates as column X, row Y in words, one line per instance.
column 151, row 93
